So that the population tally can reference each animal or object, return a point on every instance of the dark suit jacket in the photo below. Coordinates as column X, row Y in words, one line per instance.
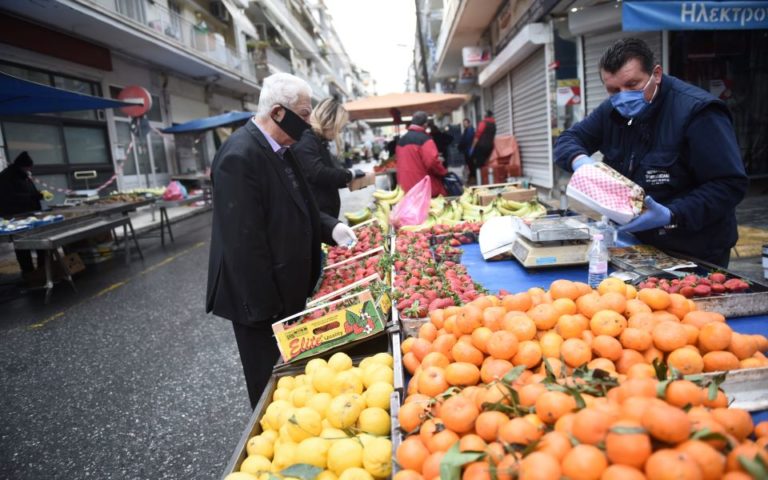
column 265, row 240
column 18, row 193
column 324, row 177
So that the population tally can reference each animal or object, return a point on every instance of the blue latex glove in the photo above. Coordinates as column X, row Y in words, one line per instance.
column 581, row 161
column 654, row 216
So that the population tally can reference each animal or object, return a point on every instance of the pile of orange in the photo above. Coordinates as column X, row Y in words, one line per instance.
column 531, row 427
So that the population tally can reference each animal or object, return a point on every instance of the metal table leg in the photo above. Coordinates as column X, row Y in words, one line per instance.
column 62, row 261
column 164, row 212
column 135, row 242
column 48, row 276
column 126, row 247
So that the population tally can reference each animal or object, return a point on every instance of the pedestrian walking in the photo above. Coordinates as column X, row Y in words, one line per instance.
column 417, row 157
column 482, row 144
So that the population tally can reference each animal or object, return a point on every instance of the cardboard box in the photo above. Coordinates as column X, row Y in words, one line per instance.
column 362, row 182
column 374, row 283
column 508, row 191
column 328, row 325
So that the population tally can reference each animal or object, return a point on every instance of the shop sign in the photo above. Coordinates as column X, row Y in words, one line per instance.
column 568, row 92
column 468, row 75
column 476, row 56
column 702, row 15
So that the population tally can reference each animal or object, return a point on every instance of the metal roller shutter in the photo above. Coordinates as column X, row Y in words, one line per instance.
column 501, row 107
column 594, row 46
column 530, row 114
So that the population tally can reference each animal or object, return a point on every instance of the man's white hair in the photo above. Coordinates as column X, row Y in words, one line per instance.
column 281, row 88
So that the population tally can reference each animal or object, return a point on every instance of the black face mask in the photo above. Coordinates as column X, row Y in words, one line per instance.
column 292, row 124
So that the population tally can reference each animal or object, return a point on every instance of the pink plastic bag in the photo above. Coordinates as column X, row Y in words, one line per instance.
column 174, row 191
column 414, row 207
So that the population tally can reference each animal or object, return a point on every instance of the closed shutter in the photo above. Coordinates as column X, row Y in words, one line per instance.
column 594, row 47
column 530, row 114
column 501, row 110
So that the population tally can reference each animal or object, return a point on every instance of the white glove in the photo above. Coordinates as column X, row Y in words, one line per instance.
column 343, row 235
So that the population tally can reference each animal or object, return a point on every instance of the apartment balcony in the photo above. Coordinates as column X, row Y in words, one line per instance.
column 278, row 61
column 146, row 30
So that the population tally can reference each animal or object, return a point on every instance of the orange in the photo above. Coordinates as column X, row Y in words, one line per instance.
column 628, row 358
column 584, row 462
column 469, row 318
column 678, row 305
column 428, row 331
column 642, row 320
column 480, row 338
column 635, row 306
column 701, row 318
column 410, row 362
column 575, row 352
column 590, row 426
column 472, row 443
column 482, row 302
column 444, row 343
column 502, row 344
column 550, row 344
column 761, row 429
column 669, row 336
column 612, row 284
column 655, row 298
column 652, row 354
column 555, row 364
column 607, row 347
column 528, row 354
column 692, row 333
column 621, row 472
column 565, row 306
column 641, row 370
column 520, row 324
column 743, row 346
column 492, row 317
column 488, row 423
column 544, row 316
column 494, row 369
column 519, row 430
column 636, row 339
column 601, row 364
column 666, row 423
column 683, row 392
column 411, row 453
column 563, row 289
column 539, row 466
column 633, row 408
column 466, row 352
column 614, row 301
column 407, row 475
column 720, row 361
column 571, row 326
column 432, row 381
column 748, row 450
column 686, row 360
column 668, row 464
column 462, row 374
column 710, row 461
column 607, row 322
column 736, row 421
column 407, row 344
column 714, row 336
column 520, row 302
column 411, row 415
column 476, row 471
column 555, row 443
column 508, row 467
column 589, row 304
column 552, row 405
column 459, row 414
column 431, row 467
column 664, row 316
column 435, row 359
column 529, row 393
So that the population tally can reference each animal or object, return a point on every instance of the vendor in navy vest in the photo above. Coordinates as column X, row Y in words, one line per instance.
column 674, row 140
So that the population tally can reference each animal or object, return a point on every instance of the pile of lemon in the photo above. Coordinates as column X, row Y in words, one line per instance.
column 334, row 417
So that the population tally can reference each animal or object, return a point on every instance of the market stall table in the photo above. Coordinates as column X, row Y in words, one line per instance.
column 164, row 205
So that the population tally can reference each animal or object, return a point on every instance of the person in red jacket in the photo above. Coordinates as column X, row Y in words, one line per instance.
column 482, row 145
column 417, row 156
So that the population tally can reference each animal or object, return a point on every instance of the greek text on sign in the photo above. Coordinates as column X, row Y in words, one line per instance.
column 702, row 15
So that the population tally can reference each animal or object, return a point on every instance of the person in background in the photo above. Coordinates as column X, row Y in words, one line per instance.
column 19, row 195
column 416, row 155
column 454, row 158
column 482, row 144
column 467, row 136
column 324, row 175
column 265, row 256
column 674, row 140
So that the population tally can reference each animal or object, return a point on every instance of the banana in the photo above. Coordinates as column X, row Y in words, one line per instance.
column 385, row 194
column 358, row 217
column 510, row 204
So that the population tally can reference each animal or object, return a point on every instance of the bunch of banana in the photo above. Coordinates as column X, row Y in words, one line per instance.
column 428, row 223
column 381, row 213
column 353, row 218
column 437, row 205
column 390, row 197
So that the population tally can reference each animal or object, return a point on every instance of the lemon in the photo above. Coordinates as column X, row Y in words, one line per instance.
column 286, row 382
column 313, row 365
column 355, row 474
column 383, row 359
column 377, row 457
column 333, row 434
column 374, row 420
column 346, row 382
column 378, row 373
column 340, row 361
column 358, row 372
column 271, row 418
column 300, row 380
column 326, row 475
column 326, row 423
column 378, row 395
column 322, row 379
column 319, row 402
column 285, row 435
column 285, row 414
column 345, row 454
column 365, row 439
column 304, row 423
column 270, row 435
column 300, row 395
column 241, row 476
column 285, row 456
column 260, row 445
column 358, row 399
column 313, row 451
column 282, row 394
column 365, row 363
column 343, row 411
column 255, row 464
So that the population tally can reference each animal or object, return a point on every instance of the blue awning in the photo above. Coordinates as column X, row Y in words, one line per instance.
column 652, row 15
column 209, row 122
column 22, row 97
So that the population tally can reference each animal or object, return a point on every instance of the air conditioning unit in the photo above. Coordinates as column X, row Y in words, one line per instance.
column 219, row 11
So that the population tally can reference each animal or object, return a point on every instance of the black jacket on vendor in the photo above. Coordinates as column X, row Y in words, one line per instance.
column 324, row 176
column 266, row 233
column 682, row 150
column 18, row 193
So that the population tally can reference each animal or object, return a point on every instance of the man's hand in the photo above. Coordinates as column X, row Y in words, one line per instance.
column 343, row 235
column 654, row 216
column 582, row 160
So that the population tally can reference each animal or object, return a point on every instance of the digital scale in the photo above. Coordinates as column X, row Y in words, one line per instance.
column 553, row 240
column 78, row 197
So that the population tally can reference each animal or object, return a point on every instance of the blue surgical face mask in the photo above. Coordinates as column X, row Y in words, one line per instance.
column 631, row 103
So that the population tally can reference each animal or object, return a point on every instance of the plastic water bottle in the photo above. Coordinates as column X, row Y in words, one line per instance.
column 605, row 227
column 598, row 261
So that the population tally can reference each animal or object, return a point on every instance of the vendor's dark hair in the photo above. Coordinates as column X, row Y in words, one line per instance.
column 23, row 160
column 488, row 113
column 625, row 50
column 419, row 118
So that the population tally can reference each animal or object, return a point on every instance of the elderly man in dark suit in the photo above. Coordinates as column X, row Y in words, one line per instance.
column 265, row 242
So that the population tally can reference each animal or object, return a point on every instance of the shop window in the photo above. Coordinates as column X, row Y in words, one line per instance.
column 26, row 73
column 42, row 141
column 123, row 130
column 78, row 86
column 86, row 144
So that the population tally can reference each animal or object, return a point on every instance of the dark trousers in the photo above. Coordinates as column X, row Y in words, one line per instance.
column 258, row 354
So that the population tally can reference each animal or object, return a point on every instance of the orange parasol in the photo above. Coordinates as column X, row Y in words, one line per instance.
column 407, row 103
